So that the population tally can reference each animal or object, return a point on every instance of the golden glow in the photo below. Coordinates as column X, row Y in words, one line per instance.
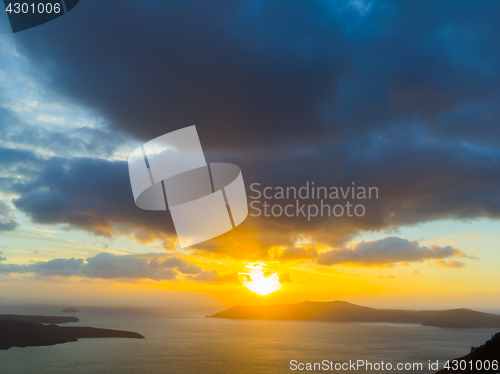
column 261, row 281
column 425, row 285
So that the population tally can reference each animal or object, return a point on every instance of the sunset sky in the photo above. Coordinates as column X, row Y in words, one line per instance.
column 403, row 96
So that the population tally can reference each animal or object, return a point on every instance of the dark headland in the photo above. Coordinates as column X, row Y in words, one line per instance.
column 478, row 356
column 30, row 331
column 38, row 319
column 341, row 311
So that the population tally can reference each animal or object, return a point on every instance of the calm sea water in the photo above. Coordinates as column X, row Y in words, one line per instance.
column 205, row 345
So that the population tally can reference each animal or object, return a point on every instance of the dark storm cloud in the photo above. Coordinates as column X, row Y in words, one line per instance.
column 424, row 182
column 159, row 66
column 109, row 266
column 15, row 157
column 91, row 194
column 402, row 96
column 260, row 74
column 417, row 181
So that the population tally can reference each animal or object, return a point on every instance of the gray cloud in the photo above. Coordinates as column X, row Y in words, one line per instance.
column 98, row 142
column 64, row 140
column 109, row 266
column 17, row 158
column 215, row 278
column 301, row 73
column 8, row 226
column 95, row 195
column 182, row 265
column 403, row 97
column 7, row 221
column 90, row 194
column 391, row 251
column 58, row 266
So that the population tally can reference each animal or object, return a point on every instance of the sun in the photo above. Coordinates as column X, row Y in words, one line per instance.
column 261, row 281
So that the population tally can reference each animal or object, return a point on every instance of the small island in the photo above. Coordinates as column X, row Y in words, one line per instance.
column 341, row 311
column 34, row 331
column 70, row 310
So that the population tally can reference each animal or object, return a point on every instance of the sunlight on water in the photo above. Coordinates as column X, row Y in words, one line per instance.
column 221, row 346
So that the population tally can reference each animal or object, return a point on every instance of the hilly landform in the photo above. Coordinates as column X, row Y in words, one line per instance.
column 34, row 331
column 341, row 311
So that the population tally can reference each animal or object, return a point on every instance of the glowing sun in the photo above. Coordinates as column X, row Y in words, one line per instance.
column 259, row 280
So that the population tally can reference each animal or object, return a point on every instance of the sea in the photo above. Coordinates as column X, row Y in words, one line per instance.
column 191, row 343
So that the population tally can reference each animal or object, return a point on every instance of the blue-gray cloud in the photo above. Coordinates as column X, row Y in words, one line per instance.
column 424, row 183
column 182, row 265
column 108, row 266
column 65, row 140
column 399, row 95
column 86, row 193
column 391, row 251
column 7, row 221
column 268, row 74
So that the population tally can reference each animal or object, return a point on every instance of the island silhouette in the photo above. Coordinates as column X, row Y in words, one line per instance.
column 70, row 310
column 479, row 360
column 341, row 311
column 39, row 319
column 31, row 331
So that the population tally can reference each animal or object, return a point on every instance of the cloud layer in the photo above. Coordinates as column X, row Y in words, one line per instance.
column 391, row 251
column 402, row 96
column 299, row 73
column 7, row 220
column 119, row 267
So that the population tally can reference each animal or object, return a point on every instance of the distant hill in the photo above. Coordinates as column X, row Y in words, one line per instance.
column 489, row 351
column 464, row 318
column 70, row 310
column 14, row 333
column 341, row 311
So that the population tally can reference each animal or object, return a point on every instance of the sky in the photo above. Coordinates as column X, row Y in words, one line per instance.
column 401, row 96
